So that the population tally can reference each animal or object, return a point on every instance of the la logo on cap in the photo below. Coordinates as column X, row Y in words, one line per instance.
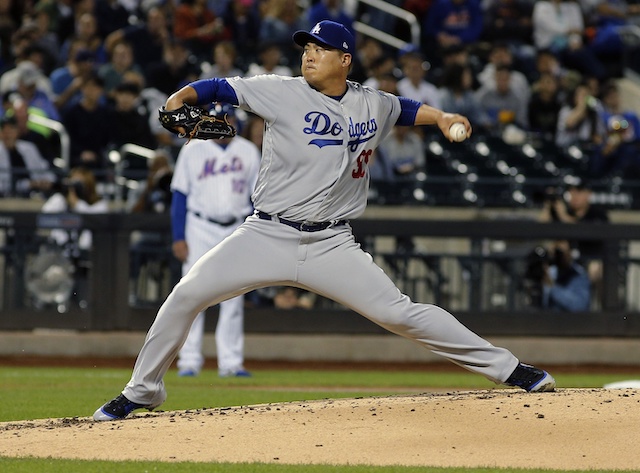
column 316, row 29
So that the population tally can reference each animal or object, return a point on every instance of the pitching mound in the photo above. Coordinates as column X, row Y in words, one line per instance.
column 569, row 429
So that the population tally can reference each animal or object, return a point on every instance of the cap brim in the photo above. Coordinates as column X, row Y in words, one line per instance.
column 301, row 38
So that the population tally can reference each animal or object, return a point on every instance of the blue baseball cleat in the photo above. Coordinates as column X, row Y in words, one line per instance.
column 531, row 379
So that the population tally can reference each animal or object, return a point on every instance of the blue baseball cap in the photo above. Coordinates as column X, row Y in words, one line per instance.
column 329, row 33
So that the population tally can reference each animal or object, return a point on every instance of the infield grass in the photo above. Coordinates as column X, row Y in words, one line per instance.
column 51, row 392
column 68, row 466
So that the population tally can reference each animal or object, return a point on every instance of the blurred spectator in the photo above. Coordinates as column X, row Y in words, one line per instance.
column 368, row 50
column 129, row 124
column 569, row 81
column 243, row 21
column 456, row 54
column 198, row 27
column 77, row 194
column 111, row 16
column 175, row 70
column 86, row 32
column 120, row 62
column 508, row 21
column 25, row 69
column 60, row 13
column 613, row 105
column 544, row 106
column 603, row 22
column 135, row 7
column 86, row 124
column 148, row 38
column 44, row 138
column 270, row 60
column 280, row 19
column 28, row 86
column 621, row 153
column 414, row 84
column 224, row 62
column 44, row 39
column 287, row 298
column 29, row 42
column 594, row 84
column 457, row 95
column 501, row 55
column 558, row 25
column 330, row 10
column 381, row 67
column 547, row 63
column 22, row 167
column 419, row 8
column 502, row 105
column 388, row 83
column 67, row 80
column 580, row 120
column 450, row 22
column 578, row 208
column 556, row 280
column 403, row 151
column 10, row 18
column 151, row 99
column 155, row 196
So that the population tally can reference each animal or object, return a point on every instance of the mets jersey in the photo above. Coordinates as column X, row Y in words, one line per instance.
column 315, row 148
column 232, row 168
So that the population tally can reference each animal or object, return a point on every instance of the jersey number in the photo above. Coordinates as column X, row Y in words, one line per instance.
column 363, row 159
column 238, row 185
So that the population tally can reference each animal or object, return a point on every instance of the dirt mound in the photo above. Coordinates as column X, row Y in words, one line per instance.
column 569, row 429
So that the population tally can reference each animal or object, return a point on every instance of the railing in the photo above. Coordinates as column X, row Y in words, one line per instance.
column 469, row 267
column 383, row 36
column 630, row 36
column 65, row 144
column 116, row 157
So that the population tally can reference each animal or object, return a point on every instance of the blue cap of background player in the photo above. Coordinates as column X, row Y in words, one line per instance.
column 328, row 33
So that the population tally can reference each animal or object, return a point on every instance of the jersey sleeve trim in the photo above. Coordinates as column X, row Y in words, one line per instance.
column 178, row 215
column 214, row 90
column 409, row 110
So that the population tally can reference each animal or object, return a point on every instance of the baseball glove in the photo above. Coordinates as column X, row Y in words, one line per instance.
column 196, row 123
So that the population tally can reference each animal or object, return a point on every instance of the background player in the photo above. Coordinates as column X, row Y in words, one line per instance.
column 212, row 185
column 320, row 131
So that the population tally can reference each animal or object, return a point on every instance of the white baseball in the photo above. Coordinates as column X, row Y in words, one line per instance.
column 458, row 132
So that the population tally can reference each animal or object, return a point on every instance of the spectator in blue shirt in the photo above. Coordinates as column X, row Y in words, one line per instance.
column 566, row 284
column 622, row 147
column 330, row 10
column 452, row 22
column 557, row 281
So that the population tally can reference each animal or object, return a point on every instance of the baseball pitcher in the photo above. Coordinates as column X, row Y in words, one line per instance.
column 320, row 132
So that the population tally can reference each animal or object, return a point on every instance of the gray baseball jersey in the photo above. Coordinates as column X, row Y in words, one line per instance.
column 315, row 148
column 314, row 169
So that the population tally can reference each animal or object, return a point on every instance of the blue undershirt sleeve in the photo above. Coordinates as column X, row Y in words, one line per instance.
column 178, row 215
column 409, row 111
column 214, row 90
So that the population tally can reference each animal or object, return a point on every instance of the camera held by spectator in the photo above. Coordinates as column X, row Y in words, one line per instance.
column 554, row 280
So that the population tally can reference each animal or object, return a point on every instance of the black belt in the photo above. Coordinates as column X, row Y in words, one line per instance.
column 224, row 224
column 302, row 226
